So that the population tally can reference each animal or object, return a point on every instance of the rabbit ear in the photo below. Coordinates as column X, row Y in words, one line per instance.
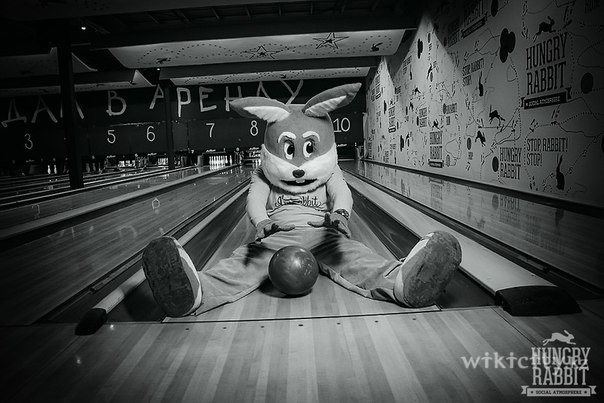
column 261, row 108
column 320, row 105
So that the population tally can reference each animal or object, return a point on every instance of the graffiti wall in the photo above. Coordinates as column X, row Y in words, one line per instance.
column 506, row 93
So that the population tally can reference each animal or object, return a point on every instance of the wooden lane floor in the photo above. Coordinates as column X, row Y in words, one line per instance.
column 52, row 191
column 267, row 303
column 550, row 236
column 39, row 275
column 325, row 300
column 274, row 350
column 329, row 346
column 387, row 358
column 22, row 179
column 27, row 186
column 73, row 200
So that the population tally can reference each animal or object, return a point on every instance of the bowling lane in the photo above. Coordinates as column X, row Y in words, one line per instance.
column 26, row 187
column 554, row 240
column 6, row 181
column 72, row 200
column 337, row 358
column 39, row 275
column 390, row 358
column 51, row 190
column 369, row 224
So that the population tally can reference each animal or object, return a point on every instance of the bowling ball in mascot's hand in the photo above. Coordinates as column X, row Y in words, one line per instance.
column 293, row 270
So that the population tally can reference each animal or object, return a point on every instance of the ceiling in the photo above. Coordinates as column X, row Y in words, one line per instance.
column 136, row 43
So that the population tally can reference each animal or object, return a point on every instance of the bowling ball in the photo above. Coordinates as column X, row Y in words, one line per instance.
column 293, row 270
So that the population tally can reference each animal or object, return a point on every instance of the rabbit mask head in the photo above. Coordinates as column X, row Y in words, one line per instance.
column 299, row 150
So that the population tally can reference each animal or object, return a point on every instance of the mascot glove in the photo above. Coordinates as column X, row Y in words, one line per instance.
column 335, row 221
column 268, row 227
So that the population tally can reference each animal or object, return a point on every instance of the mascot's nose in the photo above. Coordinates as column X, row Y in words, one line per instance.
column 298, row 173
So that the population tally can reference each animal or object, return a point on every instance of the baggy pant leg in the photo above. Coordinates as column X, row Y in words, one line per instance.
column 243, row 272
column 355, row 266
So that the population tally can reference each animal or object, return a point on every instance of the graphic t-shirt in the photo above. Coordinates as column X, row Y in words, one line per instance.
column 268, row 201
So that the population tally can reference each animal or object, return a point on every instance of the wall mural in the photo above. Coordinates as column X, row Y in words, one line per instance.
column 506, row 93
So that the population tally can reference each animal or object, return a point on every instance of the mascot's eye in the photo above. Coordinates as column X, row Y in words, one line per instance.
column 288, row 150
column 309, row 147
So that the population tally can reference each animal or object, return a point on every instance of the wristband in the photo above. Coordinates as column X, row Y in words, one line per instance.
column 343, row 213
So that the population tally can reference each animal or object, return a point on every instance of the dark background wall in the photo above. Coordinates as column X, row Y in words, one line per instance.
column 134, row 121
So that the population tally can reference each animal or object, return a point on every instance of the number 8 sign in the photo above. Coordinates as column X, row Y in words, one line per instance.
column 254, row 128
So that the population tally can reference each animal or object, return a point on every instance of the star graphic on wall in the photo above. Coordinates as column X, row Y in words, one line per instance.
column 261, row 53
column 331, row 41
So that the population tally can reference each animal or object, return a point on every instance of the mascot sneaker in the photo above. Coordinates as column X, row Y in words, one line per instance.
column 172, row 277
column 427, row 269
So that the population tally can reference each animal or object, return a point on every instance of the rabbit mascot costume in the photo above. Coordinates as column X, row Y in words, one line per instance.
column 298, row 196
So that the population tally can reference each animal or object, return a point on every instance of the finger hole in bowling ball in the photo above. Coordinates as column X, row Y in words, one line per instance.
column 293, row 270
